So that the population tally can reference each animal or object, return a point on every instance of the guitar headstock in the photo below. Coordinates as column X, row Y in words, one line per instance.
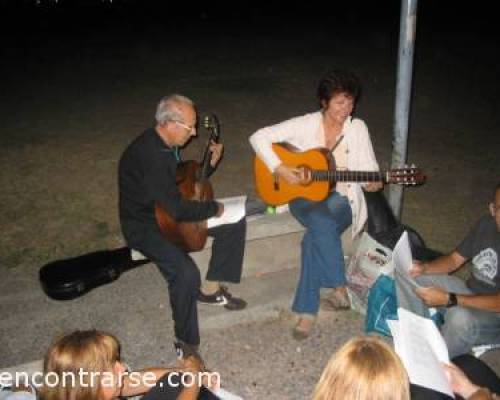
column 408, row 175
column 211, row 123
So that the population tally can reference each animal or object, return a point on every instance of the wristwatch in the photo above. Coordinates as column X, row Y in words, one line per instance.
column 452, row 300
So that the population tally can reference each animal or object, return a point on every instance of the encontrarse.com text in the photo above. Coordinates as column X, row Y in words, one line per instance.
column 90, row 379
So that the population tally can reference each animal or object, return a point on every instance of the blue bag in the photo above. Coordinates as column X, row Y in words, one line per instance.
column 382, row 305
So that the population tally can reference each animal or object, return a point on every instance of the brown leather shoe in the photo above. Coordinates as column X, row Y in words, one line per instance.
column 336, row 301
column 303, row 328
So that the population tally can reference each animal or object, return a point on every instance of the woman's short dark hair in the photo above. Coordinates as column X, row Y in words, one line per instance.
column 335, row 82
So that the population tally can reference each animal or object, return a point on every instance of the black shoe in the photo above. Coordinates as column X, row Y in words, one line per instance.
column 222, row 297
column 184, row 350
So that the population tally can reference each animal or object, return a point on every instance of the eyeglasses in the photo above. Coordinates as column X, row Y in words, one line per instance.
column 189, row 128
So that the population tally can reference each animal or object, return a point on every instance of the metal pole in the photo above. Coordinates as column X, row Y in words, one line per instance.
column 403, row 97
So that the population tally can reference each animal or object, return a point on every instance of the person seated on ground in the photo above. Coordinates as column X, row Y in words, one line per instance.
column 364, row 368
column 472, row 316
column 463, row 385
column 347, row 139
column 367, row 368
column 86, row 365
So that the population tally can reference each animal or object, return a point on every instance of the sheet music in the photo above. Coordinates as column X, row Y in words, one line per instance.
column 394, row 328
column 403, row 259
column 422, row 349
column 234, row 210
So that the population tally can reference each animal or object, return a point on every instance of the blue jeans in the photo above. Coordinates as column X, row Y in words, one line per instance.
column 463, row 327
column 322, row 256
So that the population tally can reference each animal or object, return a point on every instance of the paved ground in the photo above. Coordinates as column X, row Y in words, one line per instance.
column 252, row 350
column 243, row 346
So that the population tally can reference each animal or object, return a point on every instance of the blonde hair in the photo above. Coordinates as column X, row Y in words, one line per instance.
column 365, row 368
column 87, row 351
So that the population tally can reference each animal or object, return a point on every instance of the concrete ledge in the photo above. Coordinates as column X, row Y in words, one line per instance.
column 268, row 225
column 273, row 243
column 277, row 238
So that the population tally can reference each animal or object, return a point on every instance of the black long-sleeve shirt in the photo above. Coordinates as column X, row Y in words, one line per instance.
column 146, row 176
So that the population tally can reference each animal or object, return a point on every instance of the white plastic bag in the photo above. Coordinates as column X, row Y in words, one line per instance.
column 369, row 260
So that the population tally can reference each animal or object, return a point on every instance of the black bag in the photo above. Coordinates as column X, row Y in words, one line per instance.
column 383, row 226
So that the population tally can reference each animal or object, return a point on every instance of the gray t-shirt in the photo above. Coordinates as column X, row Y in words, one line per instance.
column 482, row 247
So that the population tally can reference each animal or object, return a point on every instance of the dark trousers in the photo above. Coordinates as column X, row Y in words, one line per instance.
column 183, row 276
column 476, row 370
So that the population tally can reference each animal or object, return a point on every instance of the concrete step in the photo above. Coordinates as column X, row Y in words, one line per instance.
column 268, row 295
column 272, row 244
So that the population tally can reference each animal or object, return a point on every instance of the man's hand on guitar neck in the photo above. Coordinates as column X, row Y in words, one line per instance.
column 292, row 175
column 216, row 149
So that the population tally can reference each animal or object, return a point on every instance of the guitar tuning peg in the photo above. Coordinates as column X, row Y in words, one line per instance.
column 413, row 166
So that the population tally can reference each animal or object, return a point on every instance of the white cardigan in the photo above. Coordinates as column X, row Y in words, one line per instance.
column 305, row 133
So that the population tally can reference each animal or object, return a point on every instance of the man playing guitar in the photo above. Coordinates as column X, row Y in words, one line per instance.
column 147, row 179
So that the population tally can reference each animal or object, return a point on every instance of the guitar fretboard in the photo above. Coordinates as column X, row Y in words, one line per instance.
column 348, row 176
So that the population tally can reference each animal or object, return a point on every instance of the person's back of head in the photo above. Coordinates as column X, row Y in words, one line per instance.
column 364, row 368
column 75, row 364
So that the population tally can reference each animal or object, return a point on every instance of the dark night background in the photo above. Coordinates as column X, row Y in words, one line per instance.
column 80, row 79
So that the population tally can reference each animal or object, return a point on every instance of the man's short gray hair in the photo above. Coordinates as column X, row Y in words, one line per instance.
column 167, row 109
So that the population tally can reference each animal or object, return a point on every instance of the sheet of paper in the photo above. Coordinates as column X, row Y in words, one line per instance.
column 223, row 394
column 234, row 210
column 394, row 328
column 402, row 258
column 422, row 350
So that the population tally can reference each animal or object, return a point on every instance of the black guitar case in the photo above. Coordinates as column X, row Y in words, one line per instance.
column 383, row 226
column 73, row 277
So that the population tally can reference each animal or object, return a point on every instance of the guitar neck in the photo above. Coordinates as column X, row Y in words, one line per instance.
column 349, row 176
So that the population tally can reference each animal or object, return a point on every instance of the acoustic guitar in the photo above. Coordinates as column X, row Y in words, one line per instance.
column 192, row 181
column 319, row 164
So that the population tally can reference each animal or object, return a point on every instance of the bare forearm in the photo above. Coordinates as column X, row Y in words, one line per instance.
column 487, row 302
column 444, row 264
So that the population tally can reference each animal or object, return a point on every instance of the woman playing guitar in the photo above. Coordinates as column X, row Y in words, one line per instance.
column 348, row 140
